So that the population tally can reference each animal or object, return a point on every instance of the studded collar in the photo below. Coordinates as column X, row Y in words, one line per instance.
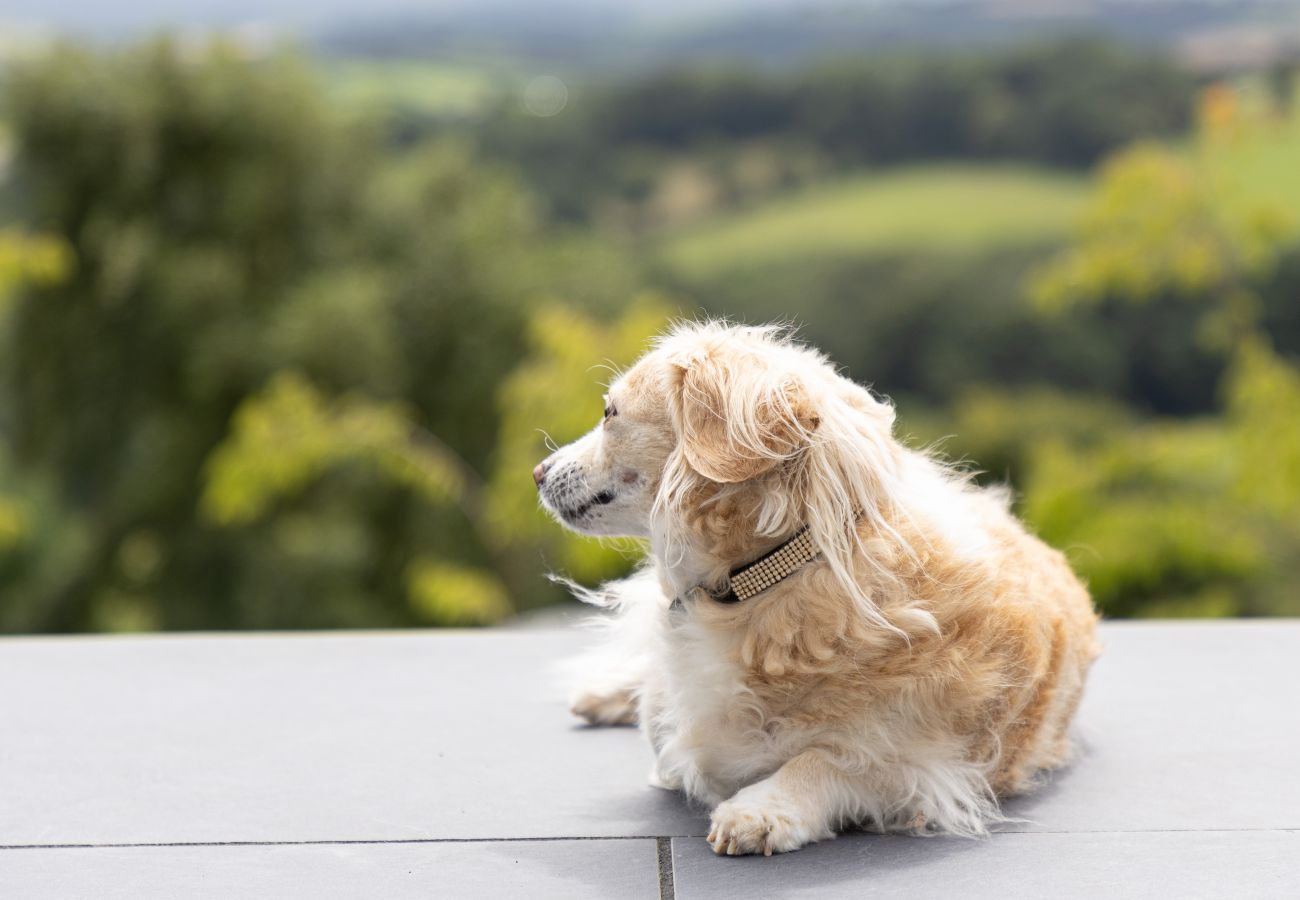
column 768, row 570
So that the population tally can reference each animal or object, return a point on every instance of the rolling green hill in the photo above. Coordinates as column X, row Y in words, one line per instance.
column 1265, row 168
column 947, row 207
column 381, row 86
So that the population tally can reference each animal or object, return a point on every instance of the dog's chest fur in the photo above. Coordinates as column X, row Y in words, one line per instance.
column 719, row 724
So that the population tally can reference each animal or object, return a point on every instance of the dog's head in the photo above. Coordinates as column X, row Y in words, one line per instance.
column 739, row 421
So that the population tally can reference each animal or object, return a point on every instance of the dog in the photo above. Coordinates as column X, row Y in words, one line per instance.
column 832, row 630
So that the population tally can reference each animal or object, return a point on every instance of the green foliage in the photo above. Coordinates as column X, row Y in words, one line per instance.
column 995, row 431
column 1184, row 517
column 625, row 143
column 42, row 546
column 13, row 523
column 1145, row 517
column 1163, row 517
column 36, row 540
column 1160, row 222
column 1145, row 510
column 1187, row 223
column 1263, row 394
column 451, row 594
column 289, row 436
column 193, row 191
column 228, row 226
column 26, row 259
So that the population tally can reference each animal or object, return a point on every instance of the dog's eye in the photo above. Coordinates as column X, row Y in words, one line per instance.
column 610, row 410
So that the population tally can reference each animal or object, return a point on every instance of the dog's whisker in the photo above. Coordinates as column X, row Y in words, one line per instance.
column 547, row 441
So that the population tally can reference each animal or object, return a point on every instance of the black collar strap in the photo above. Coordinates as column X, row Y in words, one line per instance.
column 770, row 569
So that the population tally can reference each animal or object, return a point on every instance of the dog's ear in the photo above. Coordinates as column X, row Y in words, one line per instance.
column 739, row 414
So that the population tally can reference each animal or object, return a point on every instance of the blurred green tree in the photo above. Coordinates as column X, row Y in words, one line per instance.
column 1185, row 517
column 36, row 539
column 229, row 228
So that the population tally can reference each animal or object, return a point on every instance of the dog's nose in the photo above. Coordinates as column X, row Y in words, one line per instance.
column 539, row 472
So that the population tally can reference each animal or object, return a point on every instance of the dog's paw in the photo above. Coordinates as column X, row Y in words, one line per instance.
column 617, row 708
column 757, row 824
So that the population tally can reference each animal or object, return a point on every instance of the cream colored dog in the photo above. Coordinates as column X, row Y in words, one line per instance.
column 910, row 658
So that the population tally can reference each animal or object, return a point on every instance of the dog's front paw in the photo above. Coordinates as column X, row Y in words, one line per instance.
column 760, row 824
column 616, row 708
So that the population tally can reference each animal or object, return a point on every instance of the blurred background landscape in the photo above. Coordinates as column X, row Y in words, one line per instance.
column 288, row 290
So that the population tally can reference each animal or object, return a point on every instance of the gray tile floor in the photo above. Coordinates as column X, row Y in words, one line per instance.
column 445, row 765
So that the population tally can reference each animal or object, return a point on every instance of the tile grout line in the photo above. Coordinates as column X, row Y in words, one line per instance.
column 660, row 840
column 667, row 879
column 326, row 842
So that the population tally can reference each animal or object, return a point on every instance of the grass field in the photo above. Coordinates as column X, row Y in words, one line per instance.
column 378, row 86
column 1267, row 168
column 946, row 207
